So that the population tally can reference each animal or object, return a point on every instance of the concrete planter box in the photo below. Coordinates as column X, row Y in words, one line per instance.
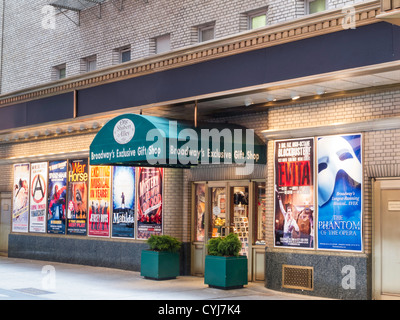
column 159, row 265
column 225, row 272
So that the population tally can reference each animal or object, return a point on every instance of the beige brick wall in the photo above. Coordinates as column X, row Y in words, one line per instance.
column 31, row 51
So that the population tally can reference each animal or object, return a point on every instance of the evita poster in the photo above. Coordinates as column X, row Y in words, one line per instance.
column 78, row 178
column 20, row 213
column 340, row 192
column 123, row 220
column 150, row 197
column 57, row 192
column 294, row 193
column 99, row 201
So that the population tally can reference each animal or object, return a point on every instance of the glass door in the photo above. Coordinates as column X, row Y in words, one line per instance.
column 239, row 216
column 218, row 213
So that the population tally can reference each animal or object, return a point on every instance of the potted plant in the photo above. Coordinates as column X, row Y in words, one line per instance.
column 224, row 268
column 161, row 261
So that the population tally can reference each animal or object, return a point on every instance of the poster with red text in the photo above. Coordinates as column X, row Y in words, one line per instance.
column 150, row 199
column 294, row 193
column 99, row 201
column 78, row 177
column 38, row 197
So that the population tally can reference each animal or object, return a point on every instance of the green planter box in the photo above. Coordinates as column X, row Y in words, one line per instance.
column 225, row 272
column 159, row 265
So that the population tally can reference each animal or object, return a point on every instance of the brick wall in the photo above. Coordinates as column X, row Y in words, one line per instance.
column 32, row 51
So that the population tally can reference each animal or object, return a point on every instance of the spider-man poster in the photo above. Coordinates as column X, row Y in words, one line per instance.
column 340, row 192
column 56, row 197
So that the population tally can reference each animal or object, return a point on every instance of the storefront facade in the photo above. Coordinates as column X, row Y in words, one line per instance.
column 314, row 214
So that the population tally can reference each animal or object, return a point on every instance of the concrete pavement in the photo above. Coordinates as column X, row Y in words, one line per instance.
column 39, row 280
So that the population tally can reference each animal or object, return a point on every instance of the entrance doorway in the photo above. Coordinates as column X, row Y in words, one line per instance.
column 5, row 221
column 220, row 208
column 387, row 239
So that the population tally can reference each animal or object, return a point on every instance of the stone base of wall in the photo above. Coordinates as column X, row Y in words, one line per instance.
column 337, row 276
column 91, row 252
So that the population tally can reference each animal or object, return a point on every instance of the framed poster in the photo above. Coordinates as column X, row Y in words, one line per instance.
column 123, row 199
column 340, row 182
column 294, row 193
column 77, row 202
column 150, row 200
column 38, row 198
column 57, row 192
column 99, row 201
column 20, row 213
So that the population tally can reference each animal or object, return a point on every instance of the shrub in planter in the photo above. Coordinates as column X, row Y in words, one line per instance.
column 161, row 261
column 224, row 268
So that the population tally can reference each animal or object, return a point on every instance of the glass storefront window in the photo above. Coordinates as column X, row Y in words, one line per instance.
column 218, row 212
column 260, row 213
column 200, row 209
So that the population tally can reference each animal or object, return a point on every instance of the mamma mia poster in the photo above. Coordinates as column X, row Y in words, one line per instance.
column 340, row 192
column 294, row 193
column 123, row 202
column 20, row 213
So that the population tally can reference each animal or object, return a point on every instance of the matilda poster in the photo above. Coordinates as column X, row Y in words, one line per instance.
column 78, row 178
column 38, row 197
column 123, row 221
column 149, row 202
column 20, row 213
column 57, row 192
column 339, row 192
column 99, row 201
column 294, row 193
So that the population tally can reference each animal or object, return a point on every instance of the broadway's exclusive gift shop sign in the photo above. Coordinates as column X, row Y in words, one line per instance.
column 340, row 192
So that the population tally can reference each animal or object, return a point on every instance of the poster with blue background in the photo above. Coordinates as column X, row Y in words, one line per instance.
column 123, row 202
column 339, row 182
column 57, row 197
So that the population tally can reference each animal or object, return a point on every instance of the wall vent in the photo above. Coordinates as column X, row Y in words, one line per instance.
column 297, row 277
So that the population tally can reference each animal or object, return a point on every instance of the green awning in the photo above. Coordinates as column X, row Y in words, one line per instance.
column 137, row 140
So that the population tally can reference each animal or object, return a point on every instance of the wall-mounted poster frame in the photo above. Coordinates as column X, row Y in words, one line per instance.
column 294, row 193
column 57, row 191
column 123, row 200
column 149, row 202
column 20, row 212
column 99, row 201
column 38, row 197
column 77, row 203
column 340, row 194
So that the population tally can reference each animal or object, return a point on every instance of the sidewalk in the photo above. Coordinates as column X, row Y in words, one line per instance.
column 40, row 280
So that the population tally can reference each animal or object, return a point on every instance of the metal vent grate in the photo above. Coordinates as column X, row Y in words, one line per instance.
column 297, row 277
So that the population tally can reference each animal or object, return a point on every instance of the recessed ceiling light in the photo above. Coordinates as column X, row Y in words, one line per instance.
column 295, row 96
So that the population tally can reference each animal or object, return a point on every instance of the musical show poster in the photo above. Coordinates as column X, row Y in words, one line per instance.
column 99, row 201
column 57, row 192
column 77, row 206
column 123, row 216
column 150, row 197
column 294, row 193
column 38, row 197
column 20, row 213
column 340, row 192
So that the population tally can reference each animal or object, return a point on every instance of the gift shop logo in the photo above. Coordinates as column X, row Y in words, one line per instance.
column 124, row 131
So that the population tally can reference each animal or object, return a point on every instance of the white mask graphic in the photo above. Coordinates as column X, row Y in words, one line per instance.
column 335, row 154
